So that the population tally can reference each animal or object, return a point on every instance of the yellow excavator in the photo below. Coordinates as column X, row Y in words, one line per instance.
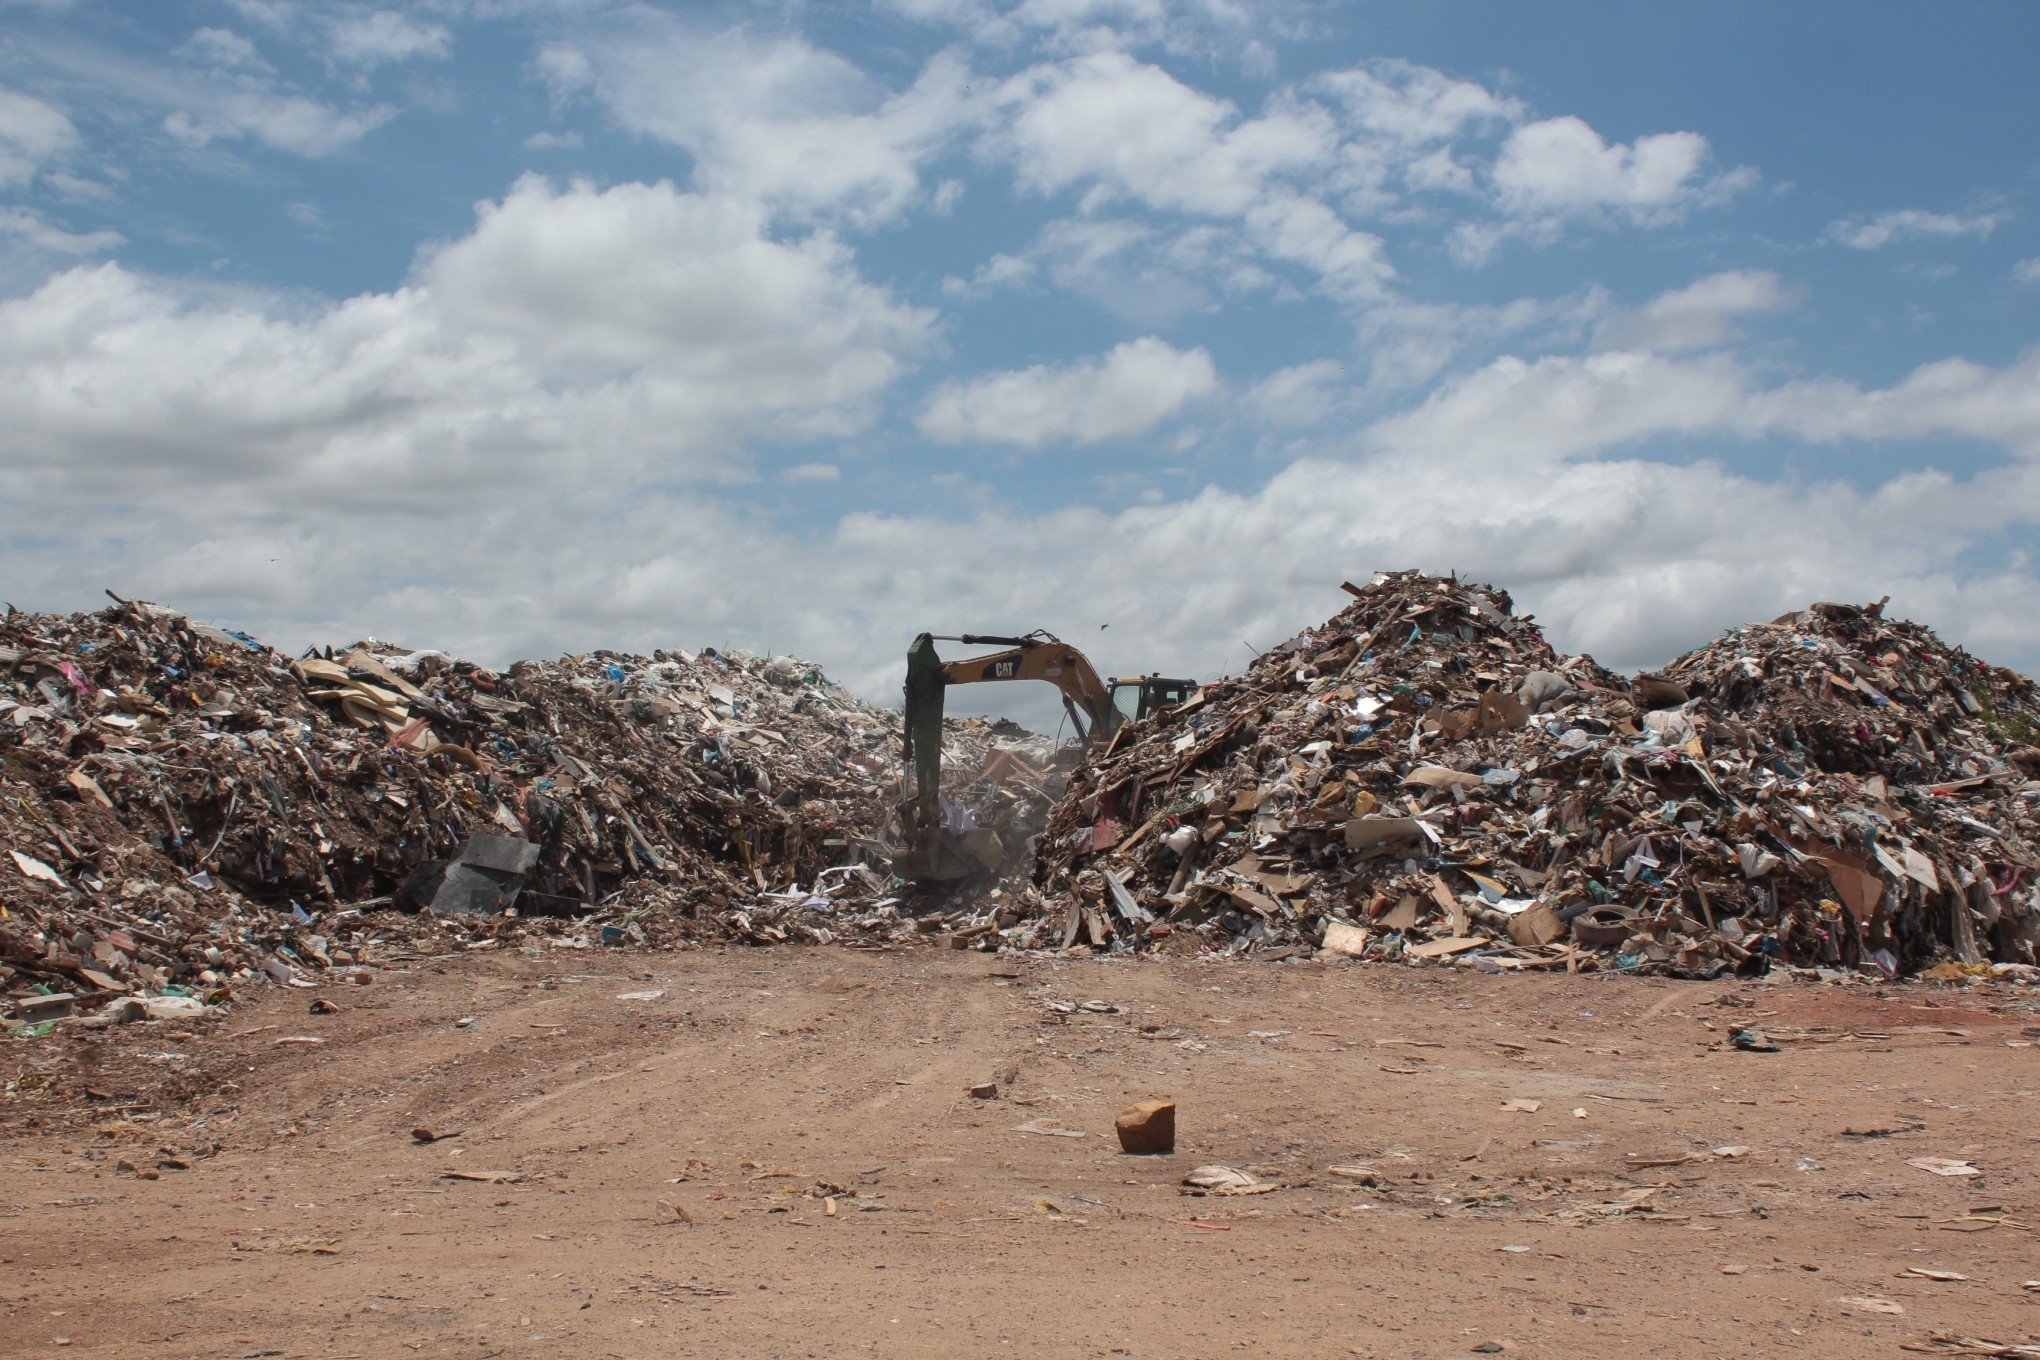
column 937, row 844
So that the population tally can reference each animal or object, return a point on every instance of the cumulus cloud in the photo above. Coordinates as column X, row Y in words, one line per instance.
column 1905, row 224
column 1301, row 395
column 1402, row 102
column 776, row 118
column 1562, row 167
column 39, row 234
column 1560, row 171
column 574, row 334
column 1209, row 29
column 1084, row 254
column 286, row 122
column 1565, row 406
column 1134, row 270
column 1408, row 343
column 372, row 38
column 1403, row 126
column 1120, row 130
column 1124, row 129
column 222, row 47
column 1126, row 392
column 32, row 133
column 1389, row 141
column 1701, row 314
column 214, row 93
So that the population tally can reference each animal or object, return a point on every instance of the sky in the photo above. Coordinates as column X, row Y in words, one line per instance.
column 520, row 327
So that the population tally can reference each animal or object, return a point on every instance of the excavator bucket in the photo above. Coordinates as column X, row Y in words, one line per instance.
column 935, row 854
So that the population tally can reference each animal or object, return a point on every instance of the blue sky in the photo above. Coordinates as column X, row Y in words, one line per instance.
column 517, row 326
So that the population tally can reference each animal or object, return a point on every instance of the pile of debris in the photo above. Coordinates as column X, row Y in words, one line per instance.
column 182, row 807
column 1424, row 777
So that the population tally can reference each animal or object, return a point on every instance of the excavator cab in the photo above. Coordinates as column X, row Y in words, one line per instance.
column 1141, row 695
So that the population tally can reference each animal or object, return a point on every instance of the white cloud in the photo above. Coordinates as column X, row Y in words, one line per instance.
column 1525, row 411
column 776, row 118
column 2027, row 271
column 1128, row 130
column 223, row 47
column 1120, row 130
column 574, row 340
column 376, row 37
column 309, row 216
column 287, row 122
column 1408, row 343
column 1302, row 395
column 1515, row 411
column 1126, row 392
column 1558, row 172
column 1906, row 224
column 32, row 133
column 1701, row 314
column 277, row 15
column 642, row 275
column 1404, row 124
column 1403, row 103
column 1212, row 30
column 1997, row 406
column 1562, row 168
column 207, row 102
column 1133, row 270
column 39, row 234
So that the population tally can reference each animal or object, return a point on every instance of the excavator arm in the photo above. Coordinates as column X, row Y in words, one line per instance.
column 930, row 849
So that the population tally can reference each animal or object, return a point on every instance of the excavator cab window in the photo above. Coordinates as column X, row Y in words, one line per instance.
column 1149, row 694
column 1160, row 694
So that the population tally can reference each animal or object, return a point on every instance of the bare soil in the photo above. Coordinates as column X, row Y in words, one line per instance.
column 775, row 1155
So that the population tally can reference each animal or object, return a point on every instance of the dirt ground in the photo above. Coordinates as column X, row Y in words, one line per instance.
column 772, row 1153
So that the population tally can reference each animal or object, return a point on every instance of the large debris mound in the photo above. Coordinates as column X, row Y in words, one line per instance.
column 1424, row 777
column 182, row 806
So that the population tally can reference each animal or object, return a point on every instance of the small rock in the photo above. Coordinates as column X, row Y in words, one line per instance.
column 1750, row 1039
column 984, row 1090
column 122, row 1009
column 1148, row 1128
